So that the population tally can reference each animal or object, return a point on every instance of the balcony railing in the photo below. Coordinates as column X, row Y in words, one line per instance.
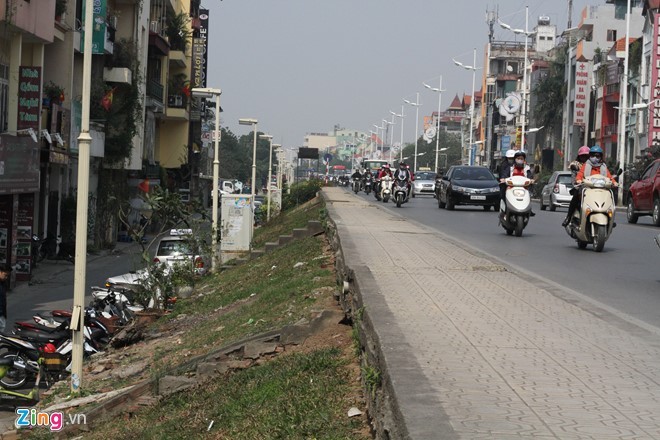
column 612, row 88
column 155, row 90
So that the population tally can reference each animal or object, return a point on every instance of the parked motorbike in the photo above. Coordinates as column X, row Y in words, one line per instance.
column 400, row 192
column 385, row 189
column 53, row 248
column 356, row 185
column 516, row 207
column 594, row 221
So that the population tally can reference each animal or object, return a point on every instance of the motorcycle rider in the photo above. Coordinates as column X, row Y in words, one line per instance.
column 403, row 173
column 575, row 166
column 384, row 171
column 357, row 175
column 591, row 167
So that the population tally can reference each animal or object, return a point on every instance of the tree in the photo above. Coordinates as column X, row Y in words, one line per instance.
column 550, row 92
column 426, row 151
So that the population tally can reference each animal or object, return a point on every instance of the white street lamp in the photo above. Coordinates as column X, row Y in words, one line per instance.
column 371, row 143
column 439, row 91
column 473, row 68
column 213, row 93
column 270, row 171
column 402, row 116
column 391, row 135
column 416, row 104
column 527, row 33
column 253, row 123
column 622, row 147
column 378, row 127
column 82, row 210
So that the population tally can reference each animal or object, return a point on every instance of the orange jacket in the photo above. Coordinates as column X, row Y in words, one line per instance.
column 594, row 170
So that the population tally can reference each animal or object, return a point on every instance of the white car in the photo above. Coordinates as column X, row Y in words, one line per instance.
column 424, row 183
column 556, row 193
column 177, row 248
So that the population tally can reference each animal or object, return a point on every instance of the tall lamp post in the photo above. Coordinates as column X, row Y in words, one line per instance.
column 401, row 142
column 270, row 171
column 371, row 143
column 416, row 104
column 473, row 68
column 527, row 33
column 624, row 102
column 439, row 90
column 391, row 130
column 277, row 149
column 82, row 208
column 213, row 93
column 253, row 123
column 378, row 127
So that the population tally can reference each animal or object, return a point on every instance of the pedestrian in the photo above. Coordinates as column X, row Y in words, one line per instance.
column 5, row 272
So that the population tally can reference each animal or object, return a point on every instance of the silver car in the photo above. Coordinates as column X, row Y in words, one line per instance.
column 556, row 192
column 424, row 183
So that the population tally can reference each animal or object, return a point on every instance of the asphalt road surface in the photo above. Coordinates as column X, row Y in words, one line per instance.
column 625, row 276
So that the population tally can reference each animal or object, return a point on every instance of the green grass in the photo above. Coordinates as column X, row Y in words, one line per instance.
column 285, row 224
column 297, row 396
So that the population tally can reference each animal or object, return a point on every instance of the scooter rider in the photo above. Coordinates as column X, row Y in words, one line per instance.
column 591, row 167
column 404, row 173
column 385, row 171
column 505, row 171
column 575, row 166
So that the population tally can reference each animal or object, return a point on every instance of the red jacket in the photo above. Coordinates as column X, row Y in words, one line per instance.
column 385, row 172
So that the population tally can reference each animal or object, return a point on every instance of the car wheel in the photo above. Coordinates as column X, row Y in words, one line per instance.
column 630, row 211
column 542, row 206
column 656, row 211
column 441, row 204
column 552, row 205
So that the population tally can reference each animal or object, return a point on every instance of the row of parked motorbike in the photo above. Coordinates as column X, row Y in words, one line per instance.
column 41, row 349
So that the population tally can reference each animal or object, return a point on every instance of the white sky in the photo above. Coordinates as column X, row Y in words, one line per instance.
column 302, row 66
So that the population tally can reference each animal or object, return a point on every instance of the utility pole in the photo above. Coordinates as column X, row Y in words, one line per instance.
column 570, row 14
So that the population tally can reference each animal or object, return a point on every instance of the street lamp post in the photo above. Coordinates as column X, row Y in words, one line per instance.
column 623, row 110
column 401, row 116
column 526, row 32
column 416, row 105
column 390, row 124
column 371, row 143
column 270, row 171
column 437, row 133
column 473, row 68
column 253, row 123
column 82, row 208
column 210, row 93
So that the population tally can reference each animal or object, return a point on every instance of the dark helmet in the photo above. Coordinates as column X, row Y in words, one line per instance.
column 402, row 165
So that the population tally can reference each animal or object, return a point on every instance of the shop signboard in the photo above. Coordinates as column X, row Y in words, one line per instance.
column 19, row 164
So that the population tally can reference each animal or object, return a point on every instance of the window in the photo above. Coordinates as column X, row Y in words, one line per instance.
column 4, row 96
column 611, row 35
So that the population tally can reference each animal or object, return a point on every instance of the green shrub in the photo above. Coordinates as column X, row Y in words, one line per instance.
column 300, row 193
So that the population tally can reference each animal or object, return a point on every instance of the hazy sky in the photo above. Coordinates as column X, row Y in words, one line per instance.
column 302, row 66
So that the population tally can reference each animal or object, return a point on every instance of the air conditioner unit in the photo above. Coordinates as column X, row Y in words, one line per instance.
column 175, row 101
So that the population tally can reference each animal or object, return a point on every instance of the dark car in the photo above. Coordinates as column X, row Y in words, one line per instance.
column 644, row 195
column 468, row 185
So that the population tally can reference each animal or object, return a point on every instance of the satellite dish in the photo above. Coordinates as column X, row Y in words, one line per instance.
column 510, row 105
column 509, row 68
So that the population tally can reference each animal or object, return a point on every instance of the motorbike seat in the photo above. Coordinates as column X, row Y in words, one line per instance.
column 38, row 327
column 37, row 336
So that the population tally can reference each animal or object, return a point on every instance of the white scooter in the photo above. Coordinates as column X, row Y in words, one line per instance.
column 516, row 207
column 594, row 221
column 385, row 188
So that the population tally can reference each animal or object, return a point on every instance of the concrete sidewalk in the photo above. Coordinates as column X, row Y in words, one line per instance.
column 469, row 348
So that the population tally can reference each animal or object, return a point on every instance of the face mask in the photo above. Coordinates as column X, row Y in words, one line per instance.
column 519, row 161
column 594, row 160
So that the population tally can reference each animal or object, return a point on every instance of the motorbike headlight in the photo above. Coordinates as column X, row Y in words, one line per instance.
column 517, row 192
column 598, row 183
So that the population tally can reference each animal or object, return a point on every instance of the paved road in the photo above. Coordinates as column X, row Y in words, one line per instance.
column 625, row 276
column 471, row 348
column 52, row 286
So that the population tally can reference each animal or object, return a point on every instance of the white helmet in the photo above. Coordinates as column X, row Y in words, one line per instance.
column 510, row 154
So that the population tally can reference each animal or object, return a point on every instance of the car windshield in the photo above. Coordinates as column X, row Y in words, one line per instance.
column 425, row 176
column 565, row 179
column 472, row 174
column 173, row 247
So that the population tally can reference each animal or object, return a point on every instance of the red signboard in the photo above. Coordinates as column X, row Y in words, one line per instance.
column 654, row 106
column 29, row 97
